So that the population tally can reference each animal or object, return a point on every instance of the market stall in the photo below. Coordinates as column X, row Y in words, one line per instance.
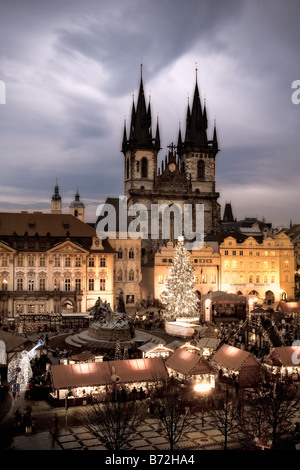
column 83, row 382
column 186, row 365
column 236, row 364
column 285, row 360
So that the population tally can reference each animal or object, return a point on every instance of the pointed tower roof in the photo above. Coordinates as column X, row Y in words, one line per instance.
column 197, row 122
column 140, row 135
column 56, row 196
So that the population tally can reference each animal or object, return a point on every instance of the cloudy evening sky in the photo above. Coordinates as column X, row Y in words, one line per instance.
column 71, row 68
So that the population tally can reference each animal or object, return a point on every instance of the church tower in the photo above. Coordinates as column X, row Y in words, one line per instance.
column 77, row 207
column 197, row 156
column 56, row 203
column 140, row 149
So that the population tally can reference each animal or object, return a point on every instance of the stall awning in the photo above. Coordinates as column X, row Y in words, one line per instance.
column 286, row 356
column 233, row 358
column 104, row 373
column 183, row 361
column 289, row 307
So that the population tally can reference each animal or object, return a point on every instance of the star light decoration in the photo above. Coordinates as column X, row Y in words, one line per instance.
column 179, row 298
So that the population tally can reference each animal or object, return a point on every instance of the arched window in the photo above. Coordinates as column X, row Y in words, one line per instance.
column 144, row 167
column 131, row 275
column 120, row 253
column 127, row 168
column 131, row 253
column 120, row 275
column 200, row 169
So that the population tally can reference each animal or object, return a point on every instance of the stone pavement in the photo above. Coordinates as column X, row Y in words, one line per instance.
column 147, row 437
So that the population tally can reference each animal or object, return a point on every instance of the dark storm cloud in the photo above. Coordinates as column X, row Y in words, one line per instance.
column 70, row 68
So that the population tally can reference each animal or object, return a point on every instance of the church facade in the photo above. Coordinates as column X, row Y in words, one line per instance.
column 185, row 177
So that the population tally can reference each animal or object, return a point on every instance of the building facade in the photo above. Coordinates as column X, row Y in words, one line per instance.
column 56, row 263
column 264, row 269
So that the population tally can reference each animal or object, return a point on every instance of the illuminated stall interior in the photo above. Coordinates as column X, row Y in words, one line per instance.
column 101, row 381
column 186, row 365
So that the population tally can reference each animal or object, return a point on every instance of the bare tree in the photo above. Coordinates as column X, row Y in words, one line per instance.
column 173, row 408
column 114, row 423
column 266, row 415
column 224, row 410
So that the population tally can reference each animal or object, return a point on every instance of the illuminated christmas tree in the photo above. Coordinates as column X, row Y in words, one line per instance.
column 179, row 298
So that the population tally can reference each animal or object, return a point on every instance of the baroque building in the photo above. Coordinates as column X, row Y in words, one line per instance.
column 56, row 263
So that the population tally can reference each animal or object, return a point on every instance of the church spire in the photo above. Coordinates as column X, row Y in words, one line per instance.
column 140, row 135
column 56, row 203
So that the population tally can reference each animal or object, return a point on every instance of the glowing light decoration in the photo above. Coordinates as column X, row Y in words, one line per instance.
column 19, row 370
column 202, row 387
column 179, row 299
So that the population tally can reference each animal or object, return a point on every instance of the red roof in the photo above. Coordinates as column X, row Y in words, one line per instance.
column 233, row 358
column 287, row 356
column 100, row 373
column 183, row 361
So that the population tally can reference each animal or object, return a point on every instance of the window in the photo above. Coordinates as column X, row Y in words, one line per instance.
column 78, row 262
column 233, row 252
column 131, row 253
column 160, row 279
column 102, row 262
column 272, row 279
column 91, row 262
column 144, row 167
column 257, row 279
column 120, row 275
column 196, row 279
column 250, row 253
column 226, row 252
column 251, row 279
column 20, row 261
column 91, row 284
column 67, row 285
column 31, row 284
column 266, row 264
column 42, row 284
column 257, row 253
column 4, row 260
column 20, row 284
column 4, row 285
column 20, row 308
column 204, row 279
column 120, row 253
column 131, row 275
column 127, row 168
column 31, row 261
column 30, row 308
column 77, row 284
column 213, row 278
column 241, row 253
column 42, row 261
column 102, row 284
column 265, row 279
column 234, row 264
column 57, row 261
column 68, row 261
column 200, row 169
column 42, row 308
column 56, row 284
